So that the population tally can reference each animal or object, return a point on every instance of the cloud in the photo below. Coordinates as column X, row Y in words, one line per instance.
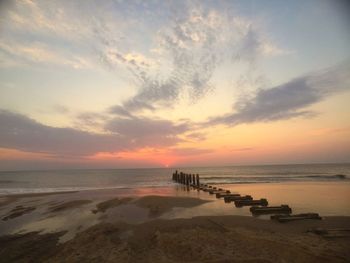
column 197, row 40
column 191, row 42
column 90, row 121
column 196, row 136
column 119, row 110
column 61, row 109
column 242, row 149
column 290, row 99
column 22, row 133
column 255, row 45
column 15, row 54
column 189, row 46
column 190, row 151
column 147, row 132
column 328, row 131
column 57, row 33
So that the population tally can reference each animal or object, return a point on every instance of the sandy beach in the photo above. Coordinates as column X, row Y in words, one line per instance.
column 173, row 225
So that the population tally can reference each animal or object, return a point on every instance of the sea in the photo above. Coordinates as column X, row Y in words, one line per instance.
column 19, row 182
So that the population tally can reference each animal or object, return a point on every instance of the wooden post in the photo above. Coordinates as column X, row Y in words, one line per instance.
column 193, row 179
column 190, row 178
column 197, row 177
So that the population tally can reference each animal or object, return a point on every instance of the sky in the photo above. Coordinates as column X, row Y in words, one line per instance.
column 131, row 84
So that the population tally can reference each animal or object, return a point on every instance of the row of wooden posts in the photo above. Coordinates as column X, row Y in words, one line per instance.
column 186, row 179
column 281, row 213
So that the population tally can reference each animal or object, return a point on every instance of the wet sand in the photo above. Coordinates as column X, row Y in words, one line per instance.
column 200, row 239
column 116, row 226
column 68, row 205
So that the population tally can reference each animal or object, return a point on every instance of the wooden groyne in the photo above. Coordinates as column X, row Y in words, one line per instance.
column 262, row 202
column 186, row 179
column 289, row 218
column 229, row 199
column 282, row 209
column 261, row 206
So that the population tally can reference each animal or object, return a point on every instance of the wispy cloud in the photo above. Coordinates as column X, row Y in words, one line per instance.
column 180, row 57
column 290, row 99
column 255, row 45
column 56, row 33
column 147, row 132
column 185, row 152
column 328, row 131
column 22, row 133
column 38, row 53
column 197, row 41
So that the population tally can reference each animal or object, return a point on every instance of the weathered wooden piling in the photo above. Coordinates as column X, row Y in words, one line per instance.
column 194, row 179
column 240, row 203
column 282, row 209
column 229, row 199
column 227, row 193
column 289, row 218
column 212, row 192
column 197, row 177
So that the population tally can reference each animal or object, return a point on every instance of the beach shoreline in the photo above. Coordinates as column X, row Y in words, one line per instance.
column 182, row 224
column 197, row 239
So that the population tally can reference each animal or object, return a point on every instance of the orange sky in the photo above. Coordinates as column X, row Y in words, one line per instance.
column 179, row 83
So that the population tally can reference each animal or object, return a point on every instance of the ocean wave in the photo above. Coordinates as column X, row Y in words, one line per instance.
column 6, row 182
column 335, row 176
column 271, row 179
column 12, row 191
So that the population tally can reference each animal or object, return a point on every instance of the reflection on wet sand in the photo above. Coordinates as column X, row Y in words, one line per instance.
column 79, row 210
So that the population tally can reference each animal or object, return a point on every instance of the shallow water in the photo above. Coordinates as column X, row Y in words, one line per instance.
column 325, row 198
column 15, row 182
